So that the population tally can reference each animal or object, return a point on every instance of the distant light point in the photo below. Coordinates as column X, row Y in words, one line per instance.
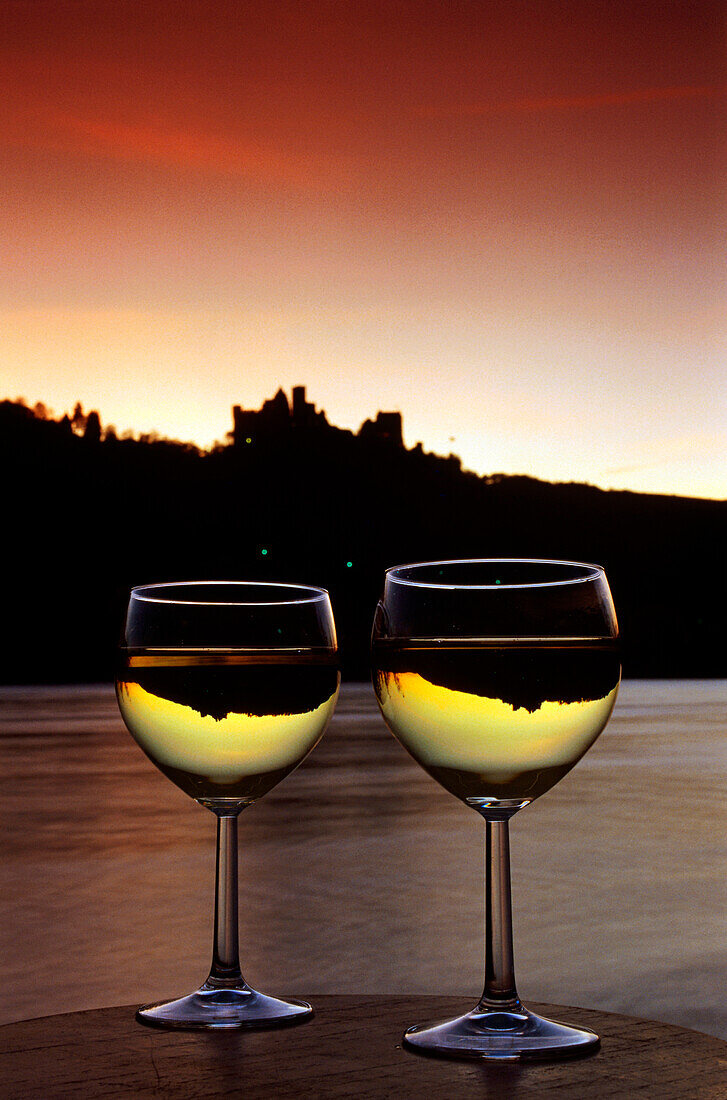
column 349, row 565
column 264, row 553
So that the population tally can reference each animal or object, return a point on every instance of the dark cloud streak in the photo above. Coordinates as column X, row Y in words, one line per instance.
column 536, row 104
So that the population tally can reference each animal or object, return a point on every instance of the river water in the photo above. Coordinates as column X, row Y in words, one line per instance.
column 358, row 874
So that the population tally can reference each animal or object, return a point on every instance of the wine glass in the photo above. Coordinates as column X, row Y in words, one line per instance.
column 227, row 686
column 497, row 676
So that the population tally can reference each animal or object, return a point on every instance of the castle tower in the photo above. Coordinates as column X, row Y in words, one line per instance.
column 387, row 428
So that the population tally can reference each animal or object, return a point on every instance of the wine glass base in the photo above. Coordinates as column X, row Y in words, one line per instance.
column 502, row 1036
column 213, row 1007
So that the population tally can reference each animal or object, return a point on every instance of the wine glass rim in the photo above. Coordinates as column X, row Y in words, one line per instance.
column 592, row 572
column 140, row 592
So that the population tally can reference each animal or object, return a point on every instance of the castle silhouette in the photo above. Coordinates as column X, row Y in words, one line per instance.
column 277, row 417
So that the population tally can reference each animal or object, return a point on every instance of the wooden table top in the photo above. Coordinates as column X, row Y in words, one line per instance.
column 352, row 1048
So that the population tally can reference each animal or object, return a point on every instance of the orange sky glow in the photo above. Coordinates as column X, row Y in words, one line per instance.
column 505, row 220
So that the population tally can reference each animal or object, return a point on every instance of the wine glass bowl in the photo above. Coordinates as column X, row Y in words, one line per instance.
column 227, row 686
column 497, row 675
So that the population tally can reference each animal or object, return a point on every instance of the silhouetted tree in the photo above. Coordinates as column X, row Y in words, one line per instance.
column 92, row 430
column 78, row 419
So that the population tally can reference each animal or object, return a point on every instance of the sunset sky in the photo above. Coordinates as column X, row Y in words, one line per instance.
column 505, row 219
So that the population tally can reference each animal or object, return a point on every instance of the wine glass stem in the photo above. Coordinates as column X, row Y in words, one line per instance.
column 226, row 952
column 499, row 991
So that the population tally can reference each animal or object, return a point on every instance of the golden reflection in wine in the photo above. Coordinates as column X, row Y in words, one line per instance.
column 226, row 726
column 224, row 749
column 478, row 746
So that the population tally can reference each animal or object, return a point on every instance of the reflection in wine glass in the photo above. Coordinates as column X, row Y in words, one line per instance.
column 497, row 676
column 227, row 686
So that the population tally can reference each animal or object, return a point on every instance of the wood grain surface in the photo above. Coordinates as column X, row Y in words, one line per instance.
column 352, row 1048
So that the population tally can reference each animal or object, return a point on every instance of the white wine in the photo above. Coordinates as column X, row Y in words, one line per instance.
column 229, row 723
column 496, row 718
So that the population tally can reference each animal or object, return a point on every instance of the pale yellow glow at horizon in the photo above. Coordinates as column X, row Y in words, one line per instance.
column 179, row 371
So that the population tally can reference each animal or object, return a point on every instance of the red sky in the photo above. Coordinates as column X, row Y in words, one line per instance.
column 506, row 220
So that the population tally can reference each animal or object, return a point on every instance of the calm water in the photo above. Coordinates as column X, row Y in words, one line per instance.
column 358, row 874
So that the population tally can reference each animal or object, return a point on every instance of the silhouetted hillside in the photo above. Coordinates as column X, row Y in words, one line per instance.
column 294, row 498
